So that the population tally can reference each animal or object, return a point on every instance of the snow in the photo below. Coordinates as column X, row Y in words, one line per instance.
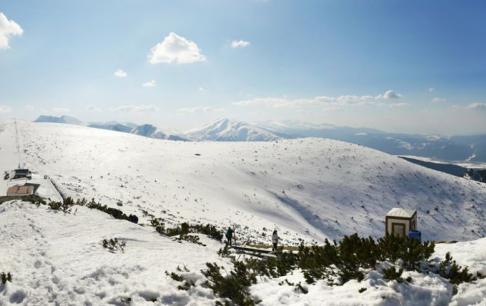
column 309, row 189
column 400, row 212
column 229, row 130
column 57, row 257
column 424, row 290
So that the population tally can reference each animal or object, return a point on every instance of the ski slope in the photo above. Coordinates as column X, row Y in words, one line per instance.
column 308, row 189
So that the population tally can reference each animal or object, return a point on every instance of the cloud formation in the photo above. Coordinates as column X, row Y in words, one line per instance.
column 200, row 109
column 136, row 108
column 60, row 110
column 120, row 73
column 175, row 49
column 8, row 28
column 477, row 106
column 239, row 44
column 328, row 102
column 438, row 100
column 390, row 94
column 5, row 109
column 151, row 83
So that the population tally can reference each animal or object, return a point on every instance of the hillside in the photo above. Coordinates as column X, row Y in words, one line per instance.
column 310, row 188
column 471, row 148
column 229, row 130
column 55, row 257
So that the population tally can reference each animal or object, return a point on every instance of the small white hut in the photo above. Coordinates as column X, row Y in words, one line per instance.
column 400, row 221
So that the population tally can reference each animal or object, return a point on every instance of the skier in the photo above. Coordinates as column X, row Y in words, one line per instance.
column 275, row 239
column 229, row 236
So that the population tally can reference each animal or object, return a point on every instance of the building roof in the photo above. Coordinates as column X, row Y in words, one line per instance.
column 401, row 212
column 20, row 190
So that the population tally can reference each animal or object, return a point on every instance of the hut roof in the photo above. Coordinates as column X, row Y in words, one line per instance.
column 401, row 212
column 22, row 190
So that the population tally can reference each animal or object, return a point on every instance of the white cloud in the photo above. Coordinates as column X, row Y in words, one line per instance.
column 60, row 110
column 29, row 108
column 239, row 44
column 136, row 108
column 120, row 73
column 200, row 109
column 150, row 83
column 94, row 109
column 477, row 106
column 438, row 100
column 177, row 50
column 431, row 89
column 401, row 104
column 5, row 109
column 328, row 102
column 8, row 28
column 390, row 94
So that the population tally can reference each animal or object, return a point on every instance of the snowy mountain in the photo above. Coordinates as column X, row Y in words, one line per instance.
column 308, row 189
column 148, row 130
column 113, row 126
column 456, row 148
column 229, row 130
column 60, row 119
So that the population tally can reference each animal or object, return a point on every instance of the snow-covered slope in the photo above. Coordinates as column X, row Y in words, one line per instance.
column 58, row 259
column 228, row 130
column 308, row 188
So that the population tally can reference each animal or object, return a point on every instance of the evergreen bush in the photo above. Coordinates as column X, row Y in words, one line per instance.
column 392, row 274
column 455, row 273
column 5, row 277
column 114, row 245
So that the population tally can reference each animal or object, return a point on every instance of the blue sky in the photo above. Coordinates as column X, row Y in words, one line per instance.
column 409, row 66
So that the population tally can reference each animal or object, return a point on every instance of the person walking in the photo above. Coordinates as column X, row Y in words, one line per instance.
column 229, row 236
column 275, row 239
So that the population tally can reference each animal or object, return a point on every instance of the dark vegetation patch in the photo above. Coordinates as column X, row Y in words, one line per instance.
column 336, row 262
column 68, row 203
column 34, row 199
column 184, row 230
column 113, row 245
column 5, row 277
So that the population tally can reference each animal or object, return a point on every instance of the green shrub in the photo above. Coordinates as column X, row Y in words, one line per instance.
column 451, row 270
column 233, row 286
column 185, row 228
column 392, row 274
column 114, row 245
column 114, row 212
column 64, row 207
column 5, row 277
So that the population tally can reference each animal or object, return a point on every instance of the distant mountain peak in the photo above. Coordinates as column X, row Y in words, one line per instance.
column 231, row 130
column 59, row 119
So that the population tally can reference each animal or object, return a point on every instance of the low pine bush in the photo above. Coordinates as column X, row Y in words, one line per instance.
column 5, row 277
column 451, row 270
column 114, row 245
column 114, row 212
column 185, row 228
column 233, row 286
column 392, row 274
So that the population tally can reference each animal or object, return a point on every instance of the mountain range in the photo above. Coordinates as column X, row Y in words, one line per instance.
column 467, row 148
